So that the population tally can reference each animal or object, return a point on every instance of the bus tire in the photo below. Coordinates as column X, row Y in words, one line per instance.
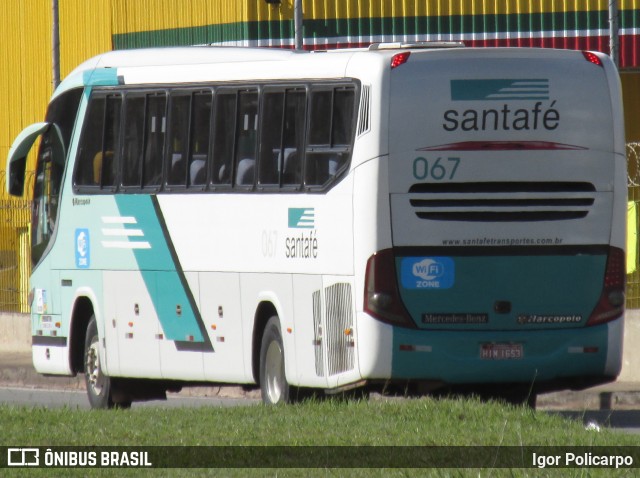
column 99, row 386
column 273, row 381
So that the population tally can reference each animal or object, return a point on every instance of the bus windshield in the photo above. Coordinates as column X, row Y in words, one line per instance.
column 49, row 170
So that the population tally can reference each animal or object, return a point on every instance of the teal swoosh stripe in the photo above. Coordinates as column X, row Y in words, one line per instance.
column 163, row 276
column 101, row 77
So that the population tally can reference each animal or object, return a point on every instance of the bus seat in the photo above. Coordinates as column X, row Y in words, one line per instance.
column 333, row 166
column 289, row 155
column 102, row 166
column 244, row 174
column 177, row 169
column 197, row 170
column 291, row 168
column 223, row 174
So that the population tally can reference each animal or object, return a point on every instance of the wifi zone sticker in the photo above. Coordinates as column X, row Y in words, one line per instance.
column 427, row 272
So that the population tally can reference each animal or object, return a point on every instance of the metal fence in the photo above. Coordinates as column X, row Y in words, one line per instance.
column 633, row 267
column 15, row 259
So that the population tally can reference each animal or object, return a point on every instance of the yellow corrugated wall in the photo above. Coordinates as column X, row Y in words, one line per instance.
column 88, row 27
column 145, row 15
column 26, row 78
column 25, row 75
column 85, row 31
column 25, row 86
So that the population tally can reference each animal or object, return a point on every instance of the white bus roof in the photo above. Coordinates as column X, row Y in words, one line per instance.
column 241, row 63
column 201, row 55
column 216, row 63
column 207, row 63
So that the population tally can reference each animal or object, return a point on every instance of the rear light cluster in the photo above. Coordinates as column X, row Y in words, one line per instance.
column 399, row 59
column 381, row 296
column 610, row 306
column 592, row 57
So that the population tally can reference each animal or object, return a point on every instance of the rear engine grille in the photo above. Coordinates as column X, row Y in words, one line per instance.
column 339, row 336
column 502, row 201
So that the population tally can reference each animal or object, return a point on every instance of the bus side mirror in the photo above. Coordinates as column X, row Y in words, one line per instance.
column 17, row 160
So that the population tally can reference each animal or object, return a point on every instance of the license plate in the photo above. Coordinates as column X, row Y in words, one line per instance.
column 501, row 351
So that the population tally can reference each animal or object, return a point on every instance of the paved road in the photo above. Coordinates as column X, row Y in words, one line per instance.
column 622, row 420
column 75, row 399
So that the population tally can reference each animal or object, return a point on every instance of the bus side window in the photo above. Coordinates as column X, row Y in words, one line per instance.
column 199, row 143
column 271, row 138
column 224, row 133
column 87, row 171
column 133, row 141
column 97, row 160
column 155, row 126
column 342, row 123
column 180, row 106
column 282, row 118
column 246, row 128
column 111, row 142
column 293, row 137
column 330, row 134
column 320, row 129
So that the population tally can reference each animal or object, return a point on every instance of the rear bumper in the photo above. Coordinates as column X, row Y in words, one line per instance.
column 551, row 359
column 547, row 355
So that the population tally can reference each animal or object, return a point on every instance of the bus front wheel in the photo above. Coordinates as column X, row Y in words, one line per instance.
column 99, row 386
column 273, row 381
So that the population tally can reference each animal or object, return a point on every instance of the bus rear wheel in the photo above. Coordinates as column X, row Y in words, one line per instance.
column 273, row 381
column 99, row 386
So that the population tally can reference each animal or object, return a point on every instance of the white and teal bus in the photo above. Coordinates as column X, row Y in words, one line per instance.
column 415, row 215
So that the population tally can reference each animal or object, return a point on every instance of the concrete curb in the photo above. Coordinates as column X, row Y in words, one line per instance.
column 17, row 370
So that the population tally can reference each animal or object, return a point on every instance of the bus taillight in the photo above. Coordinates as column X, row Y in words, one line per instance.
column 400, row 59
column 592, row 58
column 610, row 306
column 382, row 297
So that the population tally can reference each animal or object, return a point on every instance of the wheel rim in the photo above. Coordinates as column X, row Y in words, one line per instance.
column 95, row 378
column 274, row 372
